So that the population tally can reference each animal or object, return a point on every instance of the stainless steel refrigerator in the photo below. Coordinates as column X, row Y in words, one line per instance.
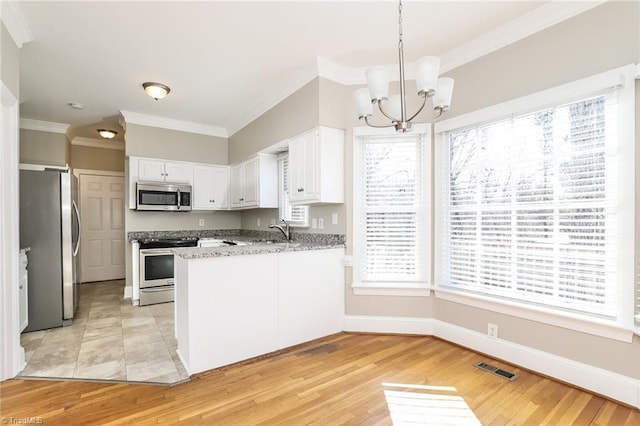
column 50, row 225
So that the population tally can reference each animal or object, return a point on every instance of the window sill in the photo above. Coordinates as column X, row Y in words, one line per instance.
column 595, row 326
column 420, row 289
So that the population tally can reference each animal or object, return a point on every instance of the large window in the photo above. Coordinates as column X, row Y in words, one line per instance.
column 296, row 216
column 390, row 209
column 537, row 208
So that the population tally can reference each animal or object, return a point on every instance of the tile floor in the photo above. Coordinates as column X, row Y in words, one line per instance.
column 109, row 340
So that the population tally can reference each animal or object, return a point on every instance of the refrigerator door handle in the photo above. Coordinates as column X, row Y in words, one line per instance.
column 75, row 209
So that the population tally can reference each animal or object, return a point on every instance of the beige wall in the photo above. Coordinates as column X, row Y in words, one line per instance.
column 154, row 142
column 292, row 116
column 601, row 39
column 37, row 147
column 85, row 157
column 9, row 61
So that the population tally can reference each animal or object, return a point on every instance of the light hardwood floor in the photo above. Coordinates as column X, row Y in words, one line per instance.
column 355, row 379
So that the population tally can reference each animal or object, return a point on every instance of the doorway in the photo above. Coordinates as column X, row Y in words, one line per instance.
column 102, row 242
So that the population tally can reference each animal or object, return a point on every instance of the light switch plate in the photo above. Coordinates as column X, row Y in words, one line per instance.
column 334, row 218
column 258, row 222
column 320, row 223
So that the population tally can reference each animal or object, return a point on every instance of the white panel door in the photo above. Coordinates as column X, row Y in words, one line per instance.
column 102, row 244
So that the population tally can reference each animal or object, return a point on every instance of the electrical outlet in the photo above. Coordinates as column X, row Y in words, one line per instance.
column 258, row 222
column 314, row 223
column 201, row 222
column 320, row 223
column 334, row 218
column 492, row 331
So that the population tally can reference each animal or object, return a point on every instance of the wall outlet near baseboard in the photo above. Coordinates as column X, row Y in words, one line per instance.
column 492, row 331
column 201, row 222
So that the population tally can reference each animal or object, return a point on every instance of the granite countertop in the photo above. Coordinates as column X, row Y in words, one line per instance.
column 256, row 248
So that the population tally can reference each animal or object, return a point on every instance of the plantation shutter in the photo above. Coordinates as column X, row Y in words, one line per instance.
column 294, row 215
column 530, row 207
column 393, row 207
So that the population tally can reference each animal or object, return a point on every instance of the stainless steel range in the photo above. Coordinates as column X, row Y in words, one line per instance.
column 156, row 269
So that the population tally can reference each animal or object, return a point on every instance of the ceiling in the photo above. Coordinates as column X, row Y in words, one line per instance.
column 226, row 62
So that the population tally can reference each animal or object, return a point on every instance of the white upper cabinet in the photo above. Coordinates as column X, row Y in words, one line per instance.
column 163, row 171
column 254, row 182
column 316, row 167
column 210, row 187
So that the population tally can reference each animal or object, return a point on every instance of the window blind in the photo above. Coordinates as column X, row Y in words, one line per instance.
column 392, row 208
column 294, row 215
column 530, row 207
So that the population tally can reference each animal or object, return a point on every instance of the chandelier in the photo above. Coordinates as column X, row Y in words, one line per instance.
column 395, row 107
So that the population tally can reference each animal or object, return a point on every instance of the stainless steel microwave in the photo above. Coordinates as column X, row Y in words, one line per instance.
column 163, row 196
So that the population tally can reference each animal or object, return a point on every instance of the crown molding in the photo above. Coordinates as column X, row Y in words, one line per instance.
column 171, row 124
column 15, row 22
column 97, row 143
column 43, row 126
column 537, row 20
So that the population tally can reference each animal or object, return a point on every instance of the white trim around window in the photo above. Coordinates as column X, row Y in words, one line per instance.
column 618, row 326
column 374, row 279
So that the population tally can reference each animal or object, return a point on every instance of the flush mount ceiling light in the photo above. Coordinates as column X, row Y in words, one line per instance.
column 107, row 134
column 156, row 90
column 395, row 107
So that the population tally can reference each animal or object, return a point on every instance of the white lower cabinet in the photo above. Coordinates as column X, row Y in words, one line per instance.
column 210, row 187
column 23, row 291
column 255, row 304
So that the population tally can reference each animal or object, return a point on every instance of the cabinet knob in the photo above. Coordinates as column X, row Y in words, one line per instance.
column 21, row 287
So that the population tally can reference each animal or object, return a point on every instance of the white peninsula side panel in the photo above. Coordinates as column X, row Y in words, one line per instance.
column 310, row 295
column 226, row 309
column 232, row 308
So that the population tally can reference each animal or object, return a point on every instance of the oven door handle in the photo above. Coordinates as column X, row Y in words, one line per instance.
column 155, row 252
column 156, row 289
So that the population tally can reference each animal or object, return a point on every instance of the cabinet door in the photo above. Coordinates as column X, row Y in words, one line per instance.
column 303, row 167
column 220, row 190
column 151, row 170
column 178, row 172
column 236, row 186
column 203, row 183
column 23, row 291
column 251, row 178
column 296, row 169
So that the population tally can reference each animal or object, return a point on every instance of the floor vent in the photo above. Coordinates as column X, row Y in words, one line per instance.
column 497, row 371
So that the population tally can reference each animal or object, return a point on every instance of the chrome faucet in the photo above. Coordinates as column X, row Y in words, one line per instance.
column 285, row 230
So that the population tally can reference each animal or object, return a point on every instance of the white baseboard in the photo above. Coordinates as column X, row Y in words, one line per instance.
column 128, row 292
column 604, row 382
column 397, row 325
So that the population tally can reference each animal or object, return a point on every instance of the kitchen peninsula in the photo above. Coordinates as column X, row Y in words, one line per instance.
column 238, row 302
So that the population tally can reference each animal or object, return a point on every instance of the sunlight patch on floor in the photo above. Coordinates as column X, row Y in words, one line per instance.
column 427, row 405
